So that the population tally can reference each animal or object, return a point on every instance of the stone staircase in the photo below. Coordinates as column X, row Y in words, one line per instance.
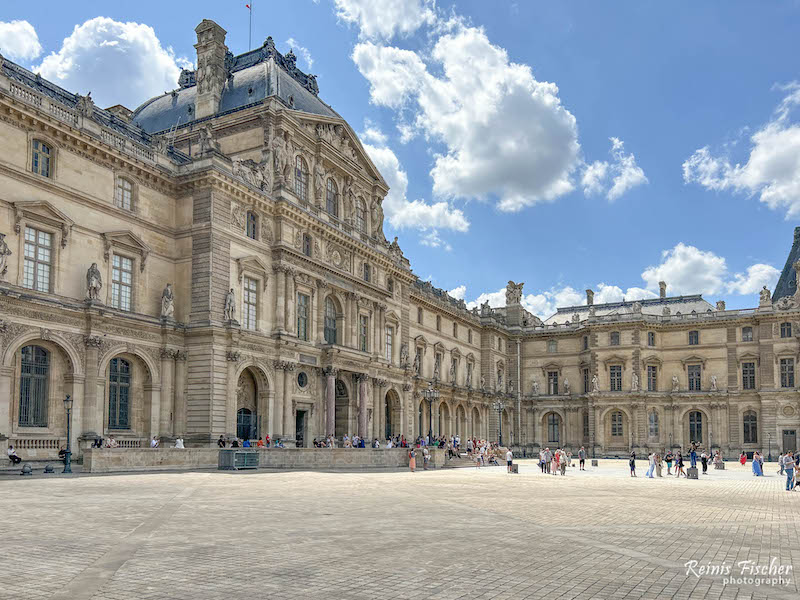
column 462, row 461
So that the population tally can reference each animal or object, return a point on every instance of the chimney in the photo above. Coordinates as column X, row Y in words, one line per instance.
column 211, row 71
column 662, row 288
column 589, row 297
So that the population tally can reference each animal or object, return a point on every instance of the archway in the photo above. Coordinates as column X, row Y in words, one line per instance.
column 444, row 419
column 392, row 411
column 342, row 410
column 476, row 423
column 461, row 422
column 247, row 406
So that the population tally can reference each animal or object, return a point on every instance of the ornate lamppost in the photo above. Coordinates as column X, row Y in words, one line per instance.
column 431, row 394
column 499, row 406
column 68, row 454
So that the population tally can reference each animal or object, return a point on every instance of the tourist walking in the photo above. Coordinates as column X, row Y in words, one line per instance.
column 704, row 460
column 757, row 471
column 541, row 460
column 582, row 459
column 651, row 459
column 743, row 458
column 632, row 463
column 412, row 460
column 668, row 459
column 426, row 456
column 788, row 468
column 679, row 465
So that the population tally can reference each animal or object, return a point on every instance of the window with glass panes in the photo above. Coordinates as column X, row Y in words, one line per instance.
column 615, row 338
column 252, row 225
column 469, row 336
column 749, row 376
column 651, row 338
column 653, row 424
column 307, row 244
column 124, row 194
column 389, row 343
column 786, row 330
column 553, row 422
column 250, row 303
column 694, row 378
column 694, row 338
column 363, row 333
column 302, row 316
column 696, row 426
column 41, row 157
column 615, row 376
column 332, row 199
column 330, row 321
column 652, row 378
column 787, row 372
column 750, row 425
column 747, row 334
column 33, row 384
column 586, row 380
column 367, row 272
column 419, row 316
column 616, row 423
column 121, row 282
column 585, row 425
column 552, row 383
column 38, row 260
column 300, row 179
column 552, row 346
column 586, row 342
column 361, row 222
column 119, row 389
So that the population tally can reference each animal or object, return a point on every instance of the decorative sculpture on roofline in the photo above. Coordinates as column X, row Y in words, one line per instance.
column 513, row 293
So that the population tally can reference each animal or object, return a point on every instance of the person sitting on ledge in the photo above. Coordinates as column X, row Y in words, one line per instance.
column 179, row 443
column 111, row 442
column 62, row 453
column 260, row 443
column 235, row 443
column 376, row 443
column 154, row 442
column 246, row 444
column 266, row 441
column 12, row 456
column 221, row 442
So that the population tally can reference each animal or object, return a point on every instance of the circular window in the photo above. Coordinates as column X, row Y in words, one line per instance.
column 302, row 379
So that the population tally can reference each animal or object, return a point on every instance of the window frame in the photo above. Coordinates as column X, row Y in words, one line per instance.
column 38, row 382
column 694, row 337
column 332, row 198
column 389, row 346
column 251, row 225
column 553, row 428
column 361, row 216
column 748, row 375
column 330, row 324
column 122, row 382
column 301, row 178
column 303, row 316
column 250, row 303
column 36, row 262
column 308, row 245
column 119, row 193
column 651, row 338
column 617, row 420
column 786, row 330
column 118, row 285
column 366, row 272
column 615, row 378
column 787, row 375
column 653, row 425
column 652, row 378
column 552, row 383
column 614, row 338
column 749, row 331
column 363, row 333
column 695, row 426
column 35, row 157
column 694, row 377
column 749, row 427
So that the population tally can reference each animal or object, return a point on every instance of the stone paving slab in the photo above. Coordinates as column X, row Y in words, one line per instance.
column 445, row 534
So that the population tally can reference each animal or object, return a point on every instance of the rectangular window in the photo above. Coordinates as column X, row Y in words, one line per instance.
column 438, row 323
column 552, row 383
column 389, row 343
column 585, row 425
column 121, row 282
column 469, row 336
column 250, row 303
column 367, row 272
column 615, row 338
column 124, row 194
column 586, row 384
column 307, row 245
column 303, row 302
column 40, row 159
column 651, row 338
column 455, row 330
column 786, row 330
column 586, row 342
column 38, row 260
column 616, row 424
column 652, row 378
column 748, row 376
column 615, row 375
column 694, row 378
column 419, row 316
column 363, row 333
column 747, row 334
column 252, row 225
column 694, row 338
column 787, row 372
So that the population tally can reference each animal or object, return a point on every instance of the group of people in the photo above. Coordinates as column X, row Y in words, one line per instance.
column 656, row 462
column 557, row 462
column 246, row 443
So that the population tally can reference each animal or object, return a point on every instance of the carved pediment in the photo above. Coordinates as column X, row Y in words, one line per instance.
column 652, row 360
column 421, row 341
column 392, row 316
column 693, row 360
column 551, row 366
column 42, row 211
column 614, row 359
column 749, row 357
column 470, row 357
column 126, row 241
column 439, row 347
column 455, row 353
column 251, row 263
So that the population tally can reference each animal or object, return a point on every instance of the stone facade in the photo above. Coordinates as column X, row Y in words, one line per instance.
column 288, row 313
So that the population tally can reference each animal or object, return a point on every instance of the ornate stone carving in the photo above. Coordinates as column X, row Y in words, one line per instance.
column 93, row 341
column 765, row 297
column 786, row 303
column 167, row 302
column 513, row 293
column 595, row 383
column 230, row 306
column 714, row 383
column 94, row 283
column 675, row 383
column 5, row 252
column 634, row 382
column 535, row 386
column 233, row 356
column 238, row 216
column 403, row 354
column 266, row 231
column 566, row 386
column 85, row 105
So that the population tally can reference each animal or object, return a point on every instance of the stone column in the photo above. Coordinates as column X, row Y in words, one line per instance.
column 288, row 414
column 277, row 421
column 78, row 396
column 179, row 401
column 330, row 401
column 362, row 405
column 154, row 389
column 92, row 405
column 167, row 393
column 280, row 299
column 404, row 413
column 6, row 375
column 376, row 415
column 231, row 428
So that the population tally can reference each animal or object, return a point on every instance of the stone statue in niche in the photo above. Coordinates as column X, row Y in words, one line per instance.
column 452, row 372
column 675, row 383
column 349, row 198
column 634, row 382
column 566, row 386
column 167, row 302
column 483, row 382
column 230, row 306
column 417, row 364
column 513, row 293
column 764, row 297
column 319, row 183
column 469, row 374
column 535, row 386
column 595, row 383
column 714, row 383
column 377, row 218
column 207, row 141
column 403, row 355
column 280, row 152
column 94, row 283
column 5, row 252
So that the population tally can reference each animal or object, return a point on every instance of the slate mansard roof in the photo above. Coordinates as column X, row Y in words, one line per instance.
column 652, row 306
column 787, row 284
column 253, row 77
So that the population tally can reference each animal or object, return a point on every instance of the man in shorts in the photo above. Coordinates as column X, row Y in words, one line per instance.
column 509, row 459
column 582, row 458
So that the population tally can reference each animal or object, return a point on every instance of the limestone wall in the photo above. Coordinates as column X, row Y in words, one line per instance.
column 110, row 460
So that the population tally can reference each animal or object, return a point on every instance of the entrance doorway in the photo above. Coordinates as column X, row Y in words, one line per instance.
column 789, row 440
column 245, row 424
column 300, row 428
column 342, row 408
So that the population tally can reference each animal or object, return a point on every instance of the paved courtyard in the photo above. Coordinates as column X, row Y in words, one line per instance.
column 459, row 533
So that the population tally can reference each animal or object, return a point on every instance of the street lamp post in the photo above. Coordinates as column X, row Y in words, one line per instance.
column 430, row 395
column 769, row 452
column 499, row 406
column 68, row 454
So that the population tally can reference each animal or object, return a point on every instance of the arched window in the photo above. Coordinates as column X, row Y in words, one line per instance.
column 616, row 424
column 653, row 424
column 119, row 394
column 750, row 422
column 696, row 426
column 34, row 375
column 252, row 225
column 123, row 195
column 244, row 424
column 330, row 321
column 301, row 179
column 361, row 220
column 41, row 157
column 553, row 422
column 332, row 198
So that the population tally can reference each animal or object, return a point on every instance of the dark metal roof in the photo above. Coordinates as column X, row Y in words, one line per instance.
column 253, row 77
column 787, row 284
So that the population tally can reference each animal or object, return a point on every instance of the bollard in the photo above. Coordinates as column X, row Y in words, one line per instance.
column 691, row 473
column 594, row 462
column 26, row 469
column 48, row 468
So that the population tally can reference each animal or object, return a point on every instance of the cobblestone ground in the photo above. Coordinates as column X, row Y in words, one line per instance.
column 459, row 533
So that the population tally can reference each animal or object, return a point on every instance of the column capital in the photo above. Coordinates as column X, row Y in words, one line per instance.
column 93, row 341
column 330, row 371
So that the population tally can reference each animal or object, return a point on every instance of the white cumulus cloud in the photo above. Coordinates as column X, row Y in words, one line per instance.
column 302, row 51
column 772, row 170
column 505, row 134
column 756, row 277
column 385, row 18
column 19, row 41
column 120, row 63
column 459, row 292
column 615, row 178
column 688, row 270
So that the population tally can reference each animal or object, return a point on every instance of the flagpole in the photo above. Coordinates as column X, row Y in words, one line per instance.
column 250, row 34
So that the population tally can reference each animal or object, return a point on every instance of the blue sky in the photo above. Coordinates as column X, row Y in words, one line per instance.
column 564, row 144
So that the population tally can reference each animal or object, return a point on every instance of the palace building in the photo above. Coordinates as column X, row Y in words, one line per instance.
column 214, row 263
